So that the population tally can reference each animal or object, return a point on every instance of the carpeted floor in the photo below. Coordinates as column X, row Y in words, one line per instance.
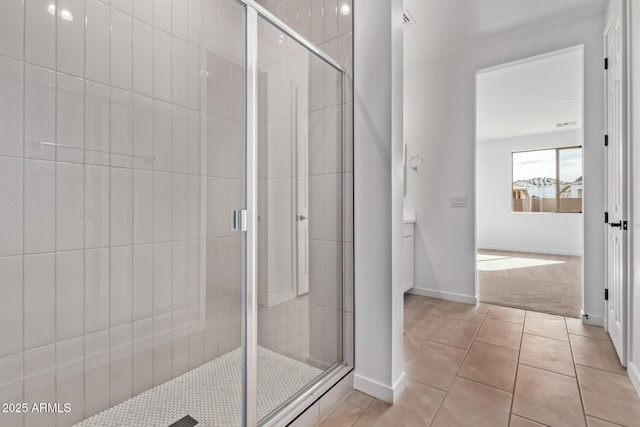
column 538, row 282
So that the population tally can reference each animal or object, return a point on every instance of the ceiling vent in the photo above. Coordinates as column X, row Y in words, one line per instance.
column 566, row 124
column 407, row 19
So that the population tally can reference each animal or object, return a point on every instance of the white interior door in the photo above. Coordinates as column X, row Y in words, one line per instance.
column 616, row 280
column 302, row 193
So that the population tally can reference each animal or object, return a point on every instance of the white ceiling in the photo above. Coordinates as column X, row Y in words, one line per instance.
column 521, row 100
column 446, row 26
column 532, row 97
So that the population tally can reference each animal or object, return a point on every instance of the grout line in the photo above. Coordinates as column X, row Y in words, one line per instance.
column 528, row 419
column 109, row 208
column 22, row 164
column 544, row 336
column 84, row 216
column 56, row 154
column 479, row 383
column 546, row 370
column 584, row 411
column 153, row 200
column 515, row 380
column 132, row 94
column 601, row 370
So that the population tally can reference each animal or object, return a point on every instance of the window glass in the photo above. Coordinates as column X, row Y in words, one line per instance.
column 547, row 180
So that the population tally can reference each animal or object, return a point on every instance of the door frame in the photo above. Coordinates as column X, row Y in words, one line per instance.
column 525, row 60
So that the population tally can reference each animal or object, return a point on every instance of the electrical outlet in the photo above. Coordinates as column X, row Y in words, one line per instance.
column 458, row 202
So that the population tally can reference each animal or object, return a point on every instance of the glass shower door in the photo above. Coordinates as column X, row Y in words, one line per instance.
column 300, row 183
column 121, row 161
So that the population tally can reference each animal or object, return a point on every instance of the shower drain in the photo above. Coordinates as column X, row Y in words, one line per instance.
column 187, row 421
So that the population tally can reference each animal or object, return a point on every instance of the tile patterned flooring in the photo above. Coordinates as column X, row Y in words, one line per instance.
column 488, row 365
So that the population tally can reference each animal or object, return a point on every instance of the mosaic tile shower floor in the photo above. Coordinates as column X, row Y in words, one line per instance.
column 211, row 393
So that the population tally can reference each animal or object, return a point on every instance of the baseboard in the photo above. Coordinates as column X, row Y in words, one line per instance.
column 532, row 250
column 590, row 319
column 449, row 296
column 634, row 375
column 379, row 390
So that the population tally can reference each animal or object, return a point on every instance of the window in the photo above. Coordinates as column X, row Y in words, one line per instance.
column 547, row 180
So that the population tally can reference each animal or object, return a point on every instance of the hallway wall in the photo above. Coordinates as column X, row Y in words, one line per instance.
column 439, row 127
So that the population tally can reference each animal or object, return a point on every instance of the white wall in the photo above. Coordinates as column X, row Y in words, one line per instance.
column 378, row 187
column 439, row 127
column 498, row 227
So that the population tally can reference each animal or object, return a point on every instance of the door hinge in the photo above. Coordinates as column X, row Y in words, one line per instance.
column 606, row 140
column 624, row 225
column 606, row 217
column 606, row 294
column 606, row 63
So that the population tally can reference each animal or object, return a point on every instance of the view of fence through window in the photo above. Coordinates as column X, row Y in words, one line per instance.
column 547, row 180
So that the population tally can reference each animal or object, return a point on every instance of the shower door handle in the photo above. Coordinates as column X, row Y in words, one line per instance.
column 239, row 220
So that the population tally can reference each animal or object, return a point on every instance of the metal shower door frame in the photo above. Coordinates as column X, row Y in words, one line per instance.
column 250, row 238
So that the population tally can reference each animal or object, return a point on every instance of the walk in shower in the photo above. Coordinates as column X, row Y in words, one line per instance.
column 172, row 185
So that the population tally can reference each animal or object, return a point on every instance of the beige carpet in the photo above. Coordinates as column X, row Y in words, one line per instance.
column 538, row 282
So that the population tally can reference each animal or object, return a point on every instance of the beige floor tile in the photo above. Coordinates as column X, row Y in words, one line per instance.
column 547, row 397
column 343, row 415
column 413, row 301
column 416, row 406
column 469, row 312
column 506, row 314
column 472, row 404
column 415, row 314
column 412, row 340
column 517, row 421
column 490, row 365
column 595, row 353
column 359, row 399
column 379, row 414
column 576, row 327
column 438, row 307
column 435, row 364
column 595, row 422
column 427, row 322
column 545, row 325
column 609, row 396
column 546, row 353
column 416, row 332
column 456, row 333
column 502, row 334
column 412, row 316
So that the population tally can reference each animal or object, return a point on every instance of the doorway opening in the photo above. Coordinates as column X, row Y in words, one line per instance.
column 529, row 186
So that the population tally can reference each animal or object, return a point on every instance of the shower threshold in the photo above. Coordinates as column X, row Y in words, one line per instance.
column 211, row 394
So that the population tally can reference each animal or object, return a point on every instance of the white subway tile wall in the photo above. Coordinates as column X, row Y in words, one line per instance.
column 119, row 165
column 116, row 177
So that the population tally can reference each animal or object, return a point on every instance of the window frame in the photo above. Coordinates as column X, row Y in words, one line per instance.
column 557, row 178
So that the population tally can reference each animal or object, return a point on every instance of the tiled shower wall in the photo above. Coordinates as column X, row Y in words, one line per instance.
column 117, row 267
column 328, row 24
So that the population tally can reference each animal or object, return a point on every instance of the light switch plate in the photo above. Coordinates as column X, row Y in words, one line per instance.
column 458, row 202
